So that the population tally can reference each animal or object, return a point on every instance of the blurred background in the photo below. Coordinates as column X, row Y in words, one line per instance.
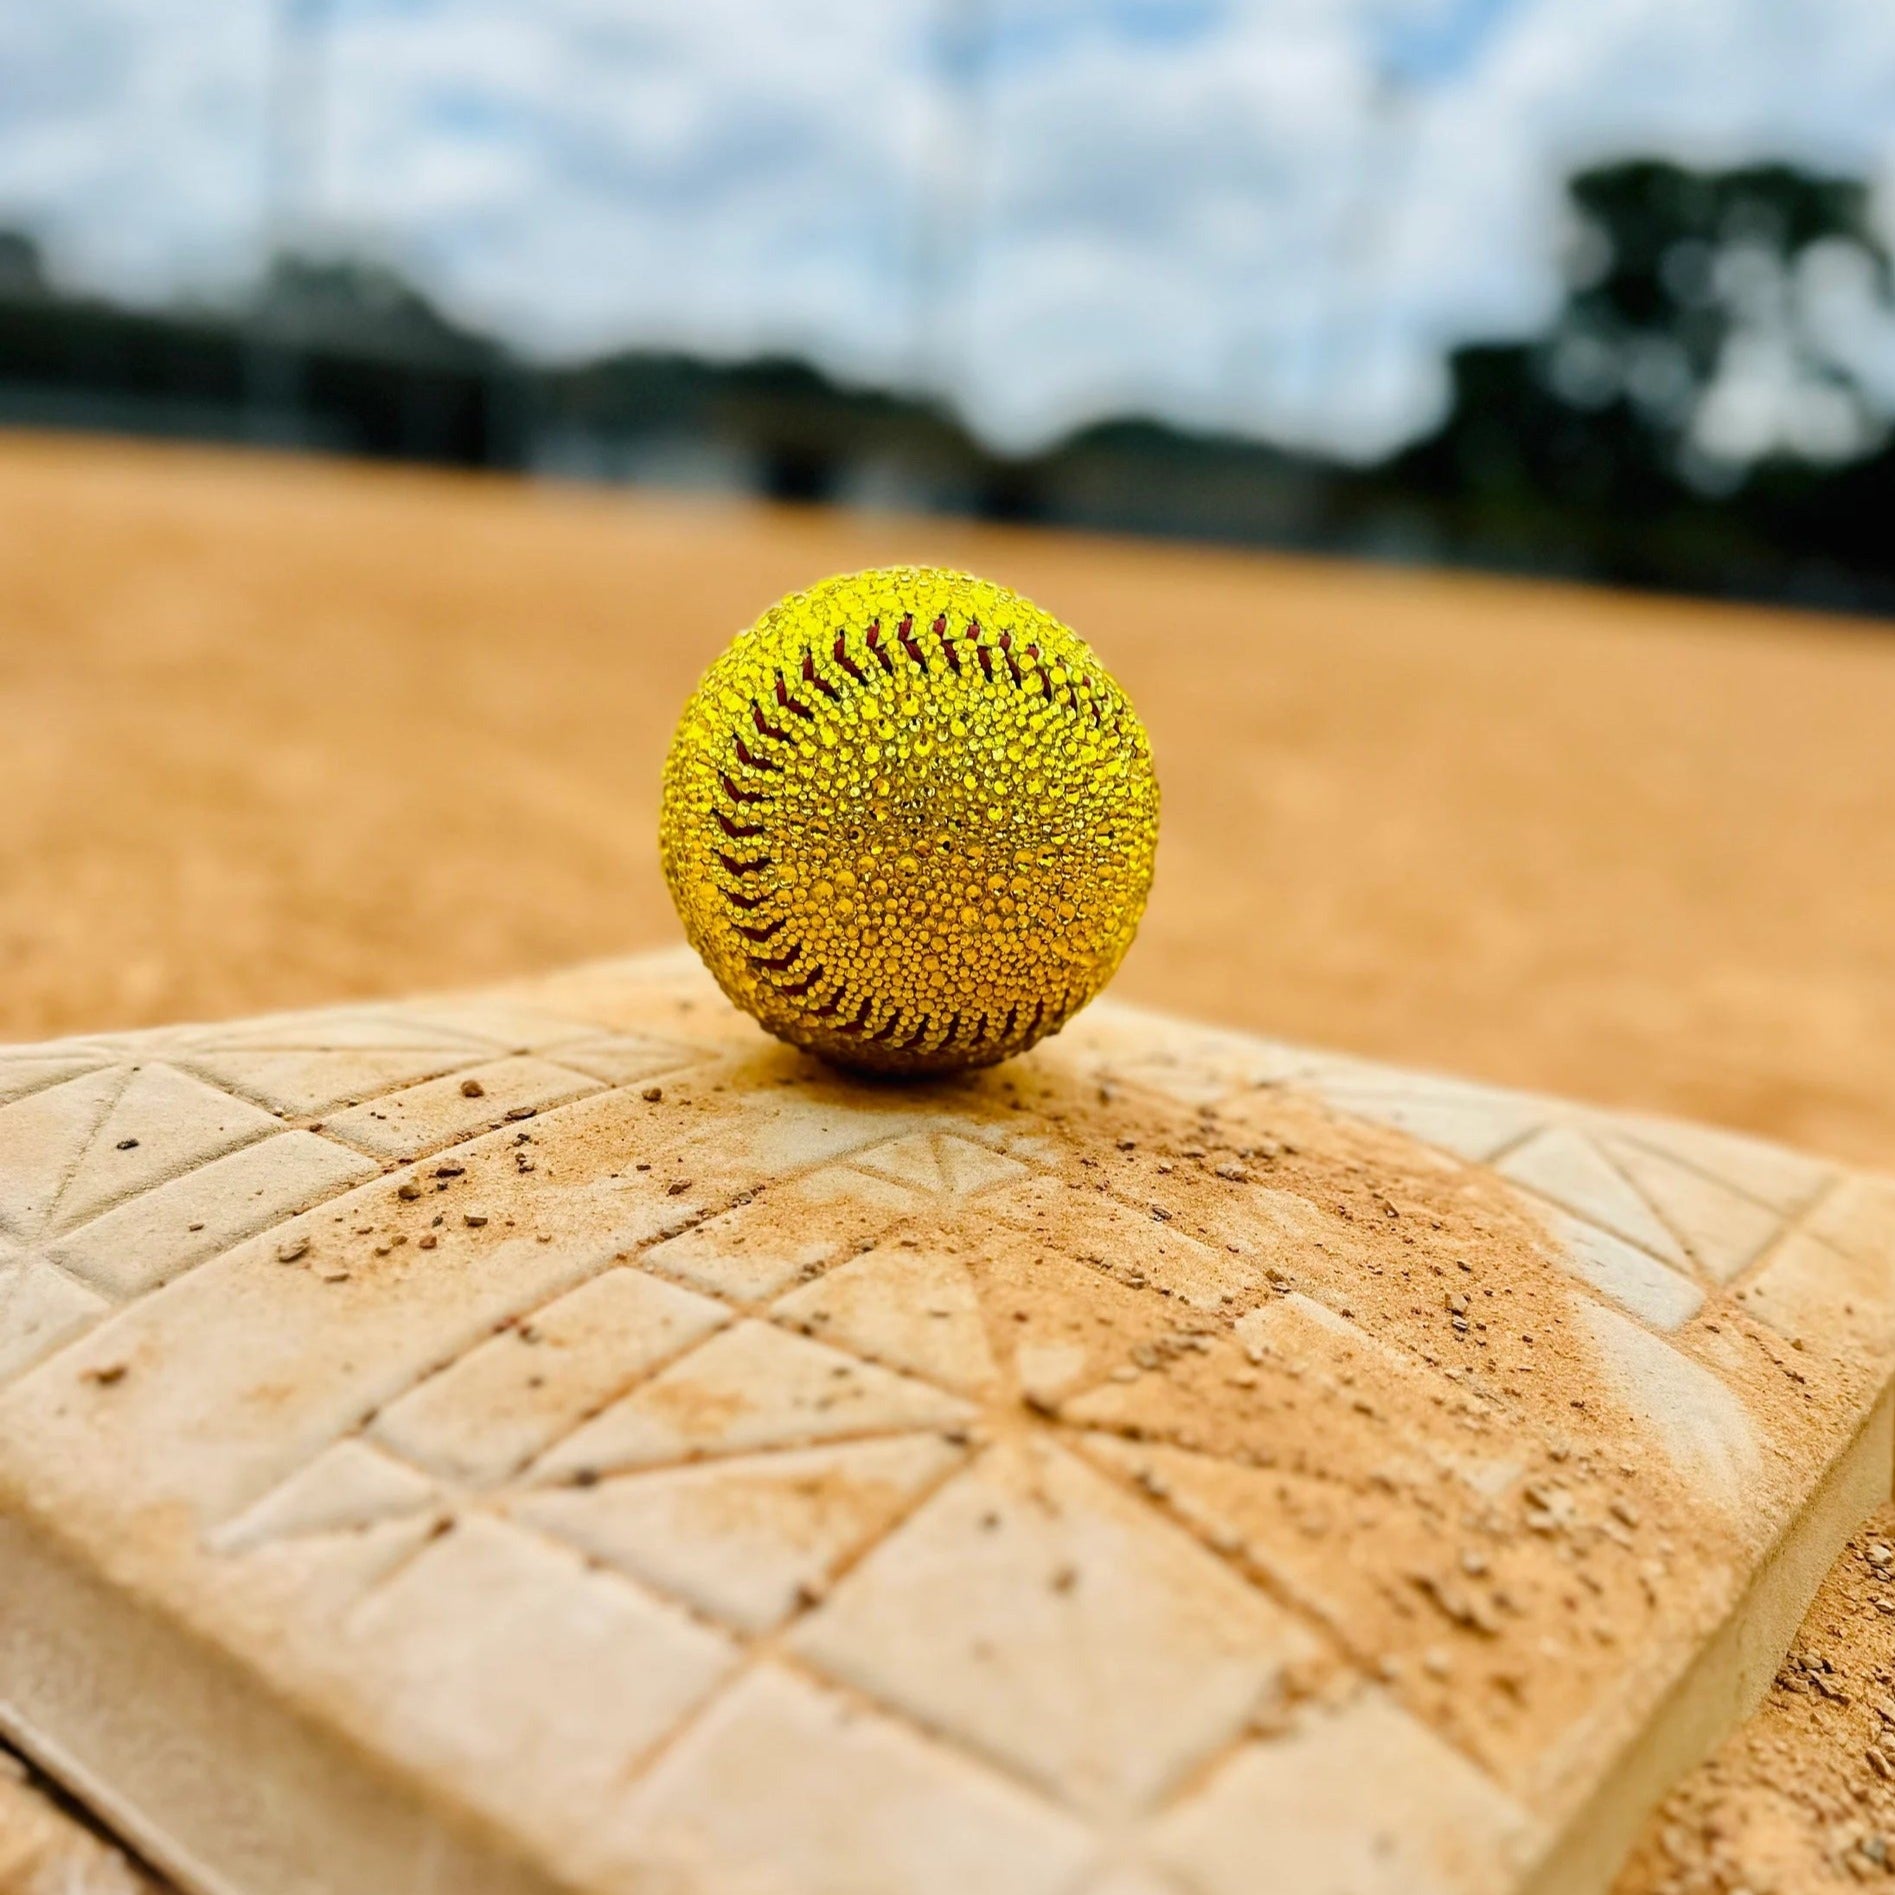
column 1598, row 288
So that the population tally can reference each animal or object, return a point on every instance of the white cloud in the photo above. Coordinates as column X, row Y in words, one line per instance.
column 1265, row 215
column 130, row 137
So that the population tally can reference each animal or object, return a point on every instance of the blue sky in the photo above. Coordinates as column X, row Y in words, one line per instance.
column 1268, row 215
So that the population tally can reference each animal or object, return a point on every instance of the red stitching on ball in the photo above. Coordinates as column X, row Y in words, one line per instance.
column 849, row 1026
column 812, row 676
column 845, row 661
column 792, row 704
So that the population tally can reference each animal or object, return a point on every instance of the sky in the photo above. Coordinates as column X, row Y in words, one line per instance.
column 1273, row 217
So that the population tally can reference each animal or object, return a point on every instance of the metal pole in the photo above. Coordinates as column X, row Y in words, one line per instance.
column 949, row 209
column 295, row 124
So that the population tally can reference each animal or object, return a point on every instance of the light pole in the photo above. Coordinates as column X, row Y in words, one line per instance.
column 294, row 136
column 948, row 212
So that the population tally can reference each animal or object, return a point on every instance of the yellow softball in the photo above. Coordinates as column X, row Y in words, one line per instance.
column 909, row 821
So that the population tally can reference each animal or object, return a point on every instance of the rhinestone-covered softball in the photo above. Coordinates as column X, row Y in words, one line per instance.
column 909, row 821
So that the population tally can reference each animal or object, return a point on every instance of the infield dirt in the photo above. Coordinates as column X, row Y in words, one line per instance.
column 281, row 733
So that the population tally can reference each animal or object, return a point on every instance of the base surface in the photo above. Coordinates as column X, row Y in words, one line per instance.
column 554, row 1438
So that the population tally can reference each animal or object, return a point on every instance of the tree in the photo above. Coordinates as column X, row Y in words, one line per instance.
column 1712, row 403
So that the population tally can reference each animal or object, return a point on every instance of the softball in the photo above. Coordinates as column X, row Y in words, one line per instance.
column 909, row 821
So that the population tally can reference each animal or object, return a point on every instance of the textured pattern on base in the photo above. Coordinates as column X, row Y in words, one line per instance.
column 1172, row 1454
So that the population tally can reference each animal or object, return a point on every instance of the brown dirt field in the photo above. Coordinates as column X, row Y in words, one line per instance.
column 287, row 732
column 283, row 732
column 1801, row 1801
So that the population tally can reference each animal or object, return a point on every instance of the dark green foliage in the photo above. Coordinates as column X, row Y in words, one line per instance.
column 1585, row 449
